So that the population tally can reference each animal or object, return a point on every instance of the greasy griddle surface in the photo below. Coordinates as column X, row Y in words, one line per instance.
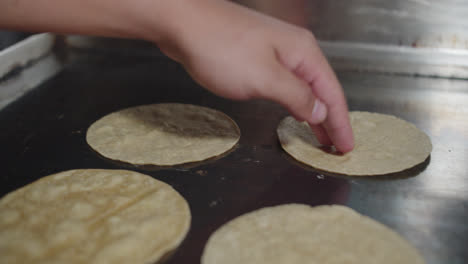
column 44, row 132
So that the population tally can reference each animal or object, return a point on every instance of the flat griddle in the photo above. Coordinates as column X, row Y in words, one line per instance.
column 44, row 132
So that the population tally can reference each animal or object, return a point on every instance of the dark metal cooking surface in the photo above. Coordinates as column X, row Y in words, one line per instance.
column 44, row 133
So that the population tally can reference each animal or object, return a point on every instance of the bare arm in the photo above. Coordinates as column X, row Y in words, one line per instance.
column 113, row 18
column 231, row 50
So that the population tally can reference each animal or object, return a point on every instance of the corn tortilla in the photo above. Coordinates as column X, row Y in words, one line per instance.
column 297, row 234
column 383, row 144
column 163, row 134
column 92, row 216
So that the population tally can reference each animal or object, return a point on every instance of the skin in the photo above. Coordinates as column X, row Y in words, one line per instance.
column 297, row 12
column 231, row 50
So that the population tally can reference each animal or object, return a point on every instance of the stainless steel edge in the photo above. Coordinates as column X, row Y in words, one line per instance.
column 28, row 79
column 25, row 51
column 438, row 62
column 39, row 63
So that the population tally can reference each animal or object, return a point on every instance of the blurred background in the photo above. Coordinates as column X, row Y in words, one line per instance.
column 360, row 34
column 414, row 23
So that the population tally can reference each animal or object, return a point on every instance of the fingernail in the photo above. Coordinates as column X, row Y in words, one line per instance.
column 319, row 113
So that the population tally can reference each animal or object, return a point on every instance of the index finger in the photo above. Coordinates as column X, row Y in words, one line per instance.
column 322, row 80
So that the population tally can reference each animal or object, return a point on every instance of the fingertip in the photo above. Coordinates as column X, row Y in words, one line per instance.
column 346, row 145
column 345, row 148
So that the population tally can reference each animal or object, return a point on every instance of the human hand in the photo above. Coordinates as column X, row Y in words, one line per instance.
column 231, row 50
column 241, row 54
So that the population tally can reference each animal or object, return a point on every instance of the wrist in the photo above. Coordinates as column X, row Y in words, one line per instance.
column 169, row 23
column 185, row 25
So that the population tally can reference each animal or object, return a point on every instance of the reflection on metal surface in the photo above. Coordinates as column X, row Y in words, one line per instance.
column 413, row 23
column 28, row 78
column 397, row 59
column 34, row 61
column 25, row 51
column 428, row 38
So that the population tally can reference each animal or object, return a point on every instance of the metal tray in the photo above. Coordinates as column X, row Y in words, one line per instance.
column 43, row 132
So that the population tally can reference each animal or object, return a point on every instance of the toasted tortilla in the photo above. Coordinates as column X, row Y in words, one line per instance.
column 297, row 234
column 163, row 134
column 92, row 216
column 383, row 144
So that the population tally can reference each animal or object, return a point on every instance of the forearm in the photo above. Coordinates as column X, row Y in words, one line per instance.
column 114, row 18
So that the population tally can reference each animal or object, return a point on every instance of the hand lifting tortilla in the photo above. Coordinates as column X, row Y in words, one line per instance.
column 92, row 216
column 383, row 144
column 297, row 234
column 163, row 134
